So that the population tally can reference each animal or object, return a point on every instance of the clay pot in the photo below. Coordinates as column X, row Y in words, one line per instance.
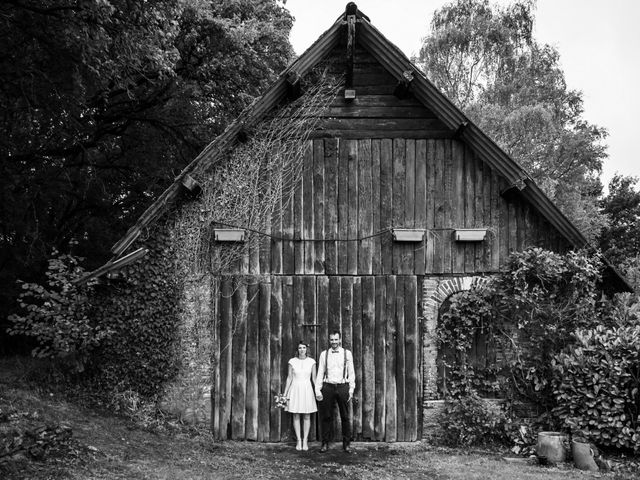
column 583, row 455
column 550, row 448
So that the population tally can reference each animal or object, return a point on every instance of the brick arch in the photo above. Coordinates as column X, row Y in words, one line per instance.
column 434, row 292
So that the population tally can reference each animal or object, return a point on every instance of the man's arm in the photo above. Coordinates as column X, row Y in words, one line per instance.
column 320, row 376
column 351, row 373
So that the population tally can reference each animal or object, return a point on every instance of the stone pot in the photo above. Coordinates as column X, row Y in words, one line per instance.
column 583, row 455
column 551, row 448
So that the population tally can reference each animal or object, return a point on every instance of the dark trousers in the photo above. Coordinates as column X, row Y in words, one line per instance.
column 331, row 394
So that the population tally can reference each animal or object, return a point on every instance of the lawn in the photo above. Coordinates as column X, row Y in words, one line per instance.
column 88, row 444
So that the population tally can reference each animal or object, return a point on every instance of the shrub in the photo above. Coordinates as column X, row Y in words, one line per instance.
column 469, row 420
column 597, row 386
column 58, row 314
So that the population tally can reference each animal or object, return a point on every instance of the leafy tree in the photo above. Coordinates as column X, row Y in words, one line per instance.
column 102, row 103
column 487, row 62
column 620, row 240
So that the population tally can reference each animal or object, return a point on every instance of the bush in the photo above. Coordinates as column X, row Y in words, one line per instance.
column 597, row 386
column 58, row 314
column 469, row 420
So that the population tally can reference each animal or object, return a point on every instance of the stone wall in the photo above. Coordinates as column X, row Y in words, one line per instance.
column 435, row 290
column 188, row 397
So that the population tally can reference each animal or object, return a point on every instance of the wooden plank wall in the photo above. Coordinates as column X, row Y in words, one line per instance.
column 261, row 323
column 354, row 191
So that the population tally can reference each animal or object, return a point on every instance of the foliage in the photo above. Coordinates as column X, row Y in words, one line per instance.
column 597, row 386
column 58, row 315
column 530, row 312
column 141, row 309
column 104, row 102
column 620, row 240
column 486, row 60
column 470, row 420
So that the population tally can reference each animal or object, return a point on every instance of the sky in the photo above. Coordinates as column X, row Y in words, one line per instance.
column 598, row 42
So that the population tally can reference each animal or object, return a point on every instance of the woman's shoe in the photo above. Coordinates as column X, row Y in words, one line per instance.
column 299, row 445
column 305, row 445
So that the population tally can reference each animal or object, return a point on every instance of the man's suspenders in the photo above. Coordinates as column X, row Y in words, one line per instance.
column 344, row 368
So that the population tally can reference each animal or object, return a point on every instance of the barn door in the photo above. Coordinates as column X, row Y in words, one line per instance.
column 261, row 323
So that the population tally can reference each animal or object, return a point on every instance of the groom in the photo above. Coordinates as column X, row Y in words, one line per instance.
column 336, row 382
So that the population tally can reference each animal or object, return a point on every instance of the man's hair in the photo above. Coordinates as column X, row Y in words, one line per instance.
column 335, row 332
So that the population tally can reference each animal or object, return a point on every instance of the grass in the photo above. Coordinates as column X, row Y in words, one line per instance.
column 104, row 446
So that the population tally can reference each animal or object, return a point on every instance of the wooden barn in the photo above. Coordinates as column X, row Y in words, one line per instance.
column 402, row 203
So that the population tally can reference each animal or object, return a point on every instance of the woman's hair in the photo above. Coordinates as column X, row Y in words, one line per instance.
column 301, row 342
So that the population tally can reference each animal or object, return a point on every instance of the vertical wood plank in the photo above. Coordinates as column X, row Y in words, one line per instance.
column 215, row 355
column 308, row 215
column 376, row 252
column 309, row 334
column 331, row 204
column 400, row 250
column 458, row 203
column 276, row 243
column 478, row 219
column 265, row 248
column 318, row 205
column 239, row 360
column 391, row 419
column 512, row 226
column 503, row 221
column 288, row 220
column 386, row 203
column 297, row 327
column 298, row 225
column 380, row 357
column 264, row 365
column 430, row 237
column 487, row 221
column 322, row 309
column 495, row 222
column 368, row 357
column 353, row 226
column 420, row 220
column 334, row 301
column 439, row 193
column 253, row 320
column 356, row 343
column 365, row 207
column 469, row 208
column 343, row 205
column 288, row 348
column 412, row 366
column 346, row 317
column 400, row 372
column 408, row 261
column 276, row 354
column 448, row 199
column 226, row 366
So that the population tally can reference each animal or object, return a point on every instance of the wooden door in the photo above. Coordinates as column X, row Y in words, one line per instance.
column 259, row 325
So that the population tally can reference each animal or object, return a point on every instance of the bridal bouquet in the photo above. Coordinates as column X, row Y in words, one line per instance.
column 280, row 400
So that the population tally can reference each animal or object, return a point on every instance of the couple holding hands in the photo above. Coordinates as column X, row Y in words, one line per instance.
column 334, row 383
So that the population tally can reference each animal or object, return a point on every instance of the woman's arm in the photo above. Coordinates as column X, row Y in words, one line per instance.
column 289, row 379
column 313, row 374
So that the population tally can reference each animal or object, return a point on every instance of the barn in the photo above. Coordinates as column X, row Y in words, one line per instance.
column 401, row 201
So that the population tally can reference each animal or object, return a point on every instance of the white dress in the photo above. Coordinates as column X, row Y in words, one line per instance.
column 302, row 399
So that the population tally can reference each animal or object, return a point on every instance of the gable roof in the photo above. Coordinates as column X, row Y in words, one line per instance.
column 397, row 63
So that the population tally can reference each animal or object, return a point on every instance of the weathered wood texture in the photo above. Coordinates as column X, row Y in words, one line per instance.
column 261, row 323
column 364, row 188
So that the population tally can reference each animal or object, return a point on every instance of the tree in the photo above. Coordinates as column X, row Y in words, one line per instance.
column 487, row 62
column 620, row 240
column 103, row 103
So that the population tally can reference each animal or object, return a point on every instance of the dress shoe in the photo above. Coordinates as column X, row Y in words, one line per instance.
column 324, row 448
column 347, row 448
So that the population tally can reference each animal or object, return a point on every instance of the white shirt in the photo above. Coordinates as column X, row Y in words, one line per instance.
column 335, row 370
